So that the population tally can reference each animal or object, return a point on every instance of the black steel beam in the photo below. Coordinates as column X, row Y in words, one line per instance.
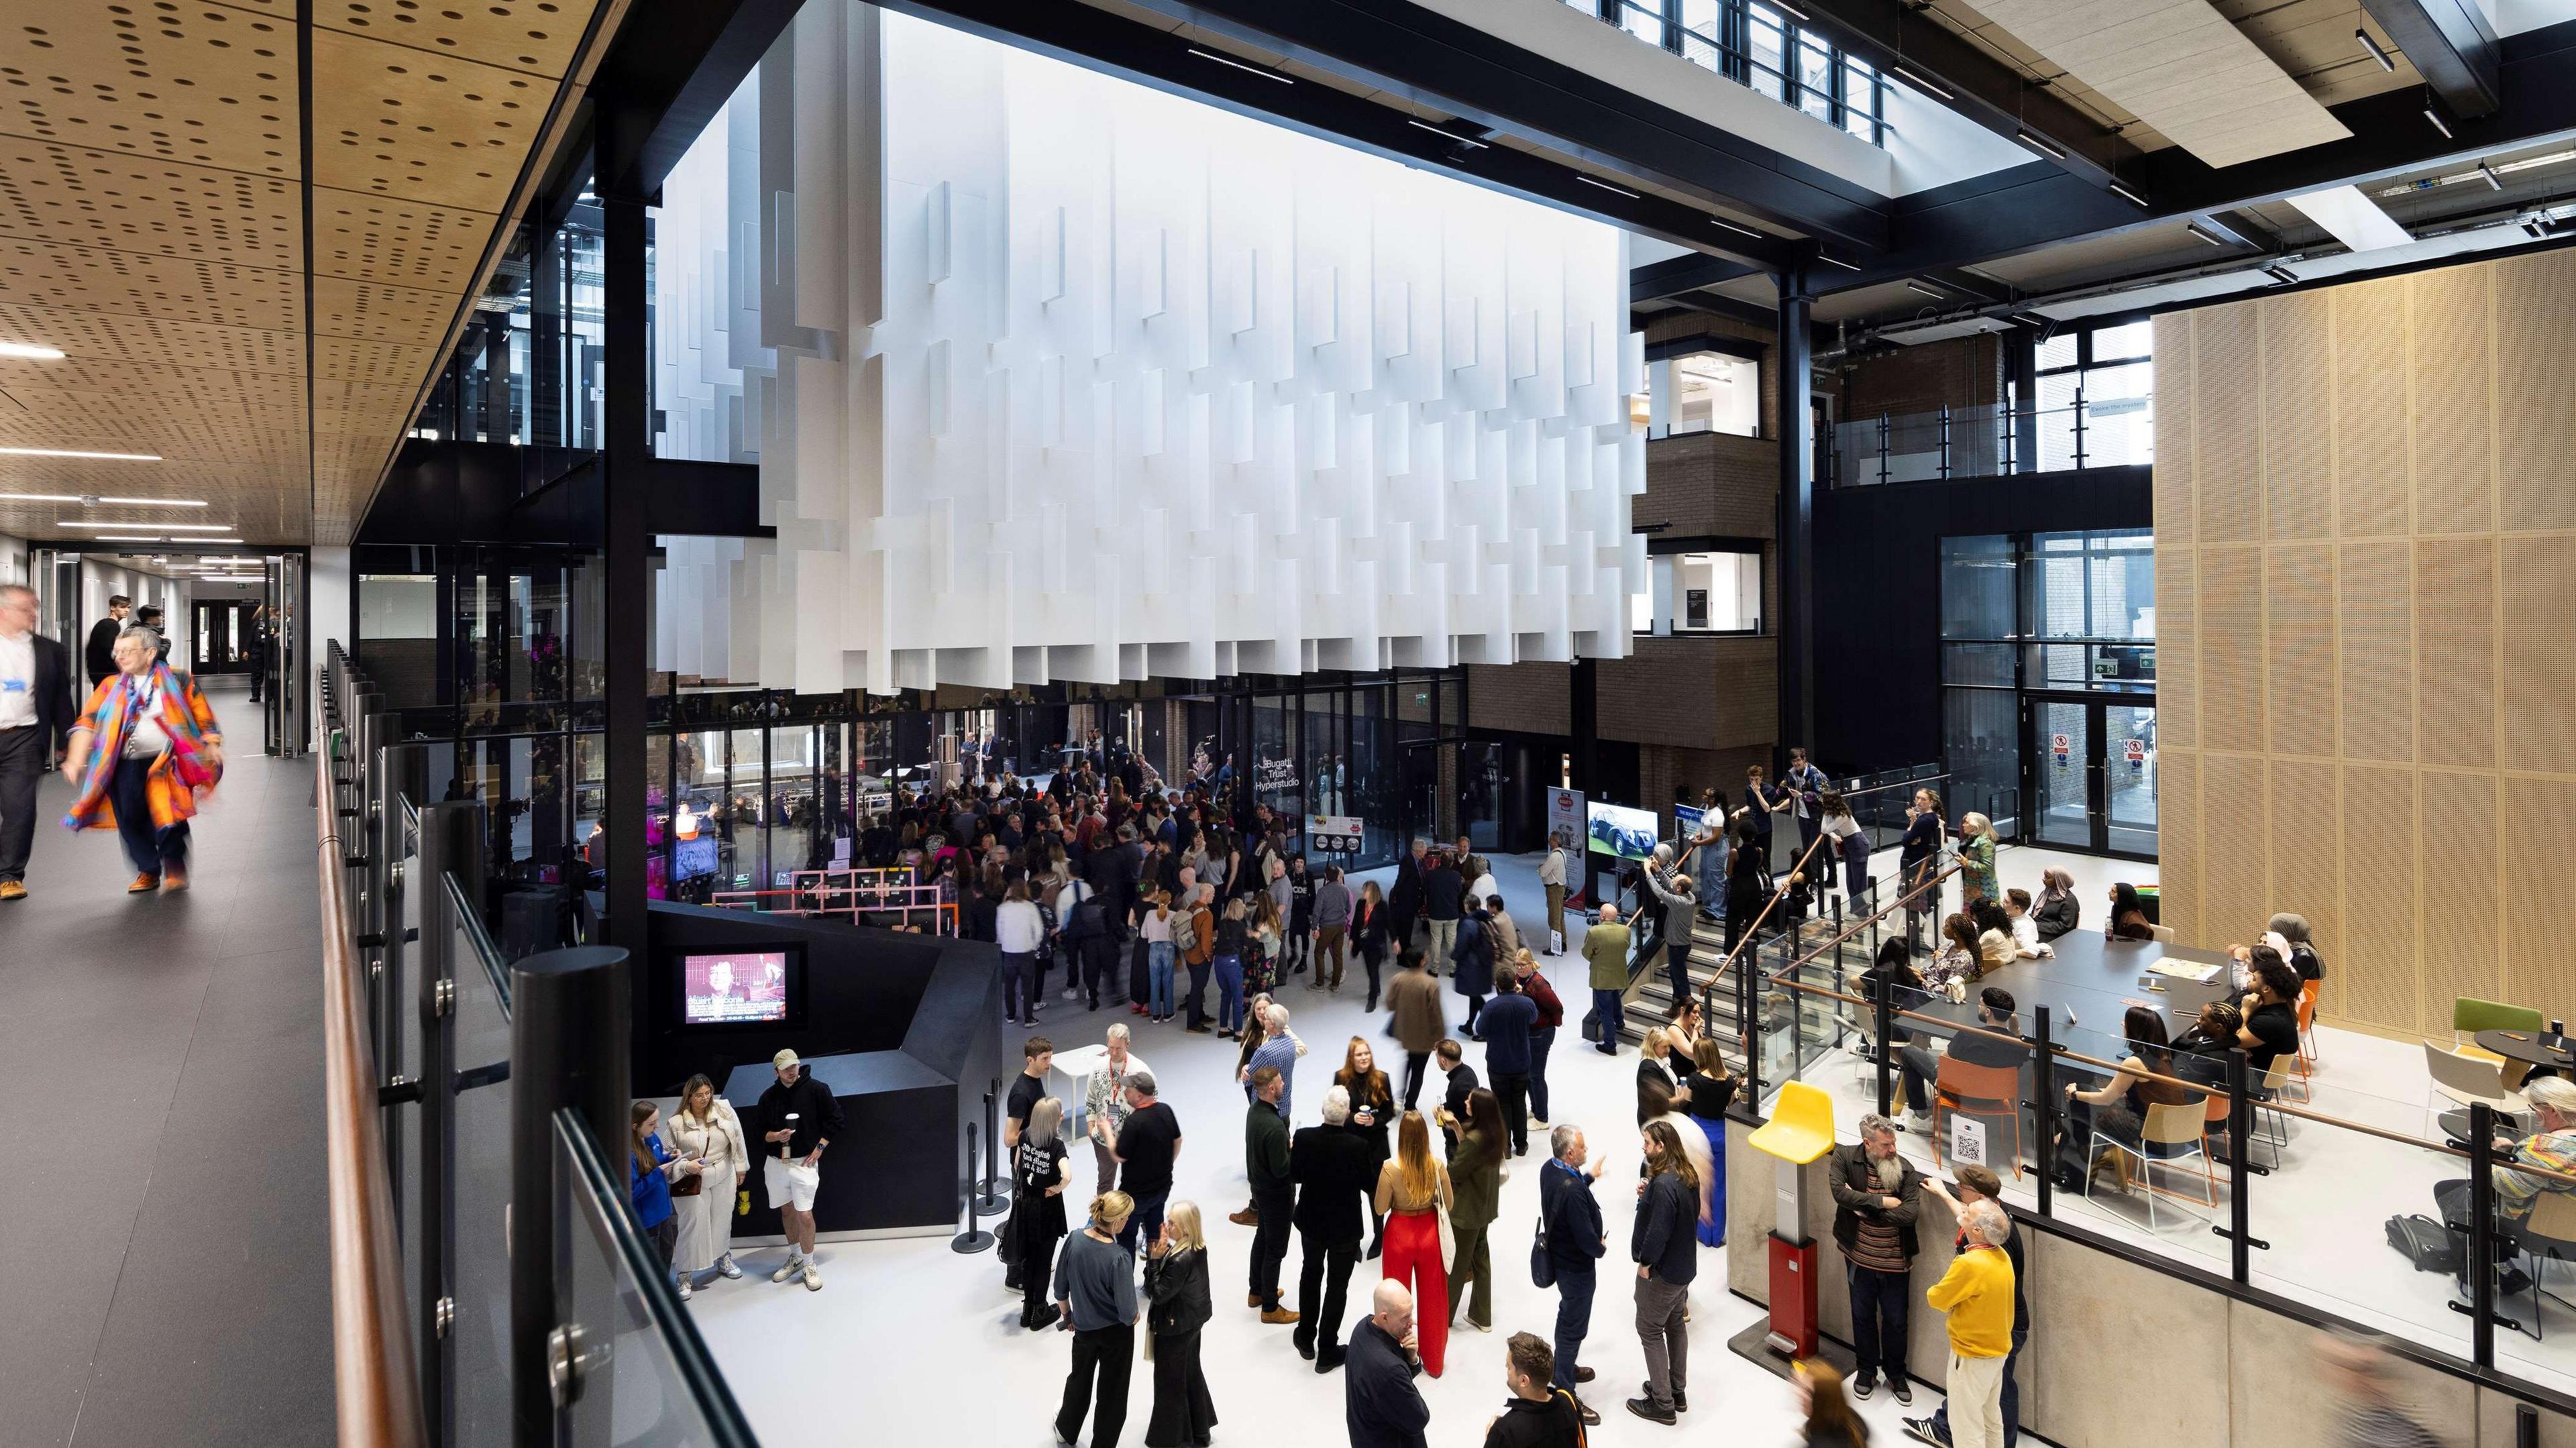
column 2452, row 47
column 1896, row 36
column 671, row 68
column 1676, row 275
column 1417, row 54
column 627, row 435
column 1796, row 553
column 2029, row 208
column 1102, row 41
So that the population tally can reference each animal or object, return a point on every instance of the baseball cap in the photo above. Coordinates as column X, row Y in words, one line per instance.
column 782, row 1060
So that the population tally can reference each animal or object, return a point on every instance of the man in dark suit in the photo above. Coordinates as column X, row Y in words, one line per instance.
column 1575, row 1240
column 1334, row 1169
column 36, row 717
column 100, row 654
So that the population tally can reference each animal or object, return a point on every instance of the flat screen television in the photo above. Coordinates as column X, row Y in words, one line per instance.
column 693, row 857
column 1617, row 830
column 742, row 987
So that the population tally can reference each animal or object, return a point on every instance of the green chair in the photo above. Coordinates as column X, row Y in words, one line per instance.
column 2470, row 1015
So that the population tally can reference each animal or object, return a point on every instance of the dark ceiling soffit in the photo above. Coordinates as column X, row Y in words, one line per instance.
column 1890, row 35
column 2451, row 45
column 1413, row 52
column 1098, row 40
column 2044, row 208
column 1753, row 314
column 1744, row 347
column 1675, row 275
column 672, row 66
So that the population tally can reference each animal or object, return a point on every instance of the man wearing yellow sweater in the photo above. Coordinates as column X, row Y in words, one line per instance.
column 1977, row 1293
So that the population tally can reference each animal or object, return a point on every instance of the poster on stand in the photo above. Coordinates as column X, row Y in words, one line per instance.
column 1565, row 814
column 1334, row 834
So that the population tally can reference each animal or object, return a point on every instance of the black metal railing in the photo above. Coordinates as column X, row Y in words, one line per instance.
column 1989, row 440
column 528, row 1300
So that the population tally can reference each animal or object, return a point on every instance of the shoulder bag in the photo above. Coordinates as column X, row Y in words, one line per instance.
column 1448, row 1234
column 687, row 1183
column 1542, row 1266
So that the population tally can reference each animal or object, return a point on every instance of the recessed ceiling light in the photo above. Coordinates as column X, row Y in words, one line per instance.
column 92, row 500
column 59, row 452
column 1447, row 135
column 2126, row 193
column 2042, row 145
column 1606, row 186
column 40, row 497
column 129, row 538
column 30, row 351
column 165, row 527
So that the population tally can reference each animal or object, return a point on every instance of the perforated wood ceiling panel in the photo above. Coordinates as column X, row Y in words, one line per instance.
column 152, row 200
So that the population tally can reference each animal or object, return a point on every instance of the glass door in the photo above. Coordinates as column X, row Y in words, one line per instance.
column 2092, row 774
column 2061, row 790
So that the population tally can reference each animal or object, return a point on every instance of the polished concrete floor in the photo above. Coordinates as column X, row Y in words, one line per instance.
column 164, row 1261
column 943, row 1359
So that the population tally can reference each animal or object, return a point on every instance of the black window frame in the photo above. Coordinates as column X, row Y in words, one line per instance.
column 1734, row 46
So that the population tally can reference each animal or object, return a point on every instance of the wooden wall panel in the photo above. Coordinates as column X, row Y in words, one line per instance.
column 2376, row 623
column 2227, row 360
column 2175, row 494
column 2231, row 648
column 2178, row 836
column 2232, row 864
column 2299, row 653
column 2371, row 415
column 2537, row 680
column 2539, row 894
column 2307, row 849
column 2463, row 935
column 2298, row 415
column 2450, row 362
column 2177, row 642
column 2377, row 983
column 2535, row 380
column 2455, row 637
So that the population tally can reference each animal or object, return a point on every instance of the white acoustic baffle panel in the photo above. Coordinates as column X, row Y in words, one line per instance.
column 1054, row 376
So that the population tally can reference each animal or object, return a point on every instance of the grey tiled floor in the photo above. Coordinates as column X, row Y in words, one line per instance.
column 165, row 1255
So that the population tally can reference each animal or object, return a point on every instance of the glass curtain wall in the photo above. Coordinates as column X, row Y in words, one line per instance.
column 2048, row 684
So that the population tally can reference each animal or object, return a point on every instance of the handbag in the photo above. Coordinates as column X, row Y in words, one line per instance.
column 1448, row 1233
column 1542, row 1266
column 688, row 1184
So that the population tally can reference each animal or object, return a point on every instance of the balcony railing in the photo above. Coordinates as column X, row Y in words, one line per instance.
column 1989, row 440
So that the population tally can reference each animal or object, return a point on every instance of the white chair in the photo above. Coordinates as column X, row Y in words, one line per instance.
column 2466, row 1080
column 2164, row 934
column 2172, row 1134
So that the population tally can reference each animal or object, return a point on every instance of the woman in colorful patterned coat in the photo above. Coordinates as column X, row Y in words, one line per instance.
column 143, row 751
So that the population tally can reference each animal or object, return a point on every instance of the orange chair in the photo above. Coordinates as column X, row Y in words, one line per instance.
column 2308, row 1026
column 1980, row 1091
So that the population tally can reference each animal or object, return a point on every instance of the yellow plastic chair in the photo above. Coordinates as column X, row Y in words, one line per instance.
column 1801, row 1128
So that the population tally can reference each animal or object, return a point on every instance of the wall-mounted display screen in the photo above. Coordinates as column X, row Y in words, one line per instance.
column 739, row 988
column 1621, row 831
column 694, row 857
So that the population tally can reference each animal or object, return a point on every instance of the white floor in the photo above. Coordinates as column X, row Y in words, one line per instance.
column 910, row 1342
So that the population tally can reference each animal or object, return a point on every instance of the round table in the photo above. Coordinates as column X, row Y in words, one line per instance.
column 2526, row 1047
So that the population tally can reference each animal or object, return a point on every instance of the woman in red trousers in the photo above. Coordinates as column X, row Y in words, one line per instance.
column 1412, row 1191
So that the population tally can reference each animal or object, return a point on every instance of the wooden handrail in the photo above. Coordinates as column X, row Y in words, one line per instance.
column 1857, row 926
column 371, row 1357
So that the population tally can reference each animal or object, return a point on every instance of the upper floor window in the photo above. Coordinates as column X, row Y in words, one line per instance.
column 2095, row 402
column 1763, row 48
column 1704, row 392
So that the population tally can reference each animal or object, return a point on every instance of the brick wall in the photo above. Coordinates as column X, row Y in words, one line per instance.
column 1962, row 372
column 1719, row 693
column 1711, row 483
column 1522, row 698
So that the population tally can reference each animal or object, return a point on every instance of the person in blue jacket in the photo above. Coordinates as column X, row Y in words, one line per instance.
column 650, row 1166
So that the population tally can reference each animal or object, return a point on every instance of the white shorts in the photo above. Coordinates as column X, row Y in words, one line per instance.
column 790, row 1183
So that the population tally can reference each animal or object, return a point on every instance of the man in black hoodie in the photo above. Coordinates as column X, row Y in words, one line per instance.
column 1334, row 1169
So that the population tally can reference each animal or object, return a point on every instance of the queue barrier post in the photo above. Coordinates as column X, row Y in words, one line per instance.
column 987, row 1199
column 2043, row 1083
column 1884, row 1004
column 974, row 1239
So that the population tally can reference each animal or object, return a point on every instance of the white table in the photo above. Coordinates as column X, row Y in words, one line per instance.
column 1076, row 1066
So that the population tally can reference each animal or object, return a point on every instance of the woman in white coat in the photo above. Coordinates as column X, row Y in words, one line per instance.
column 705, row 1127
